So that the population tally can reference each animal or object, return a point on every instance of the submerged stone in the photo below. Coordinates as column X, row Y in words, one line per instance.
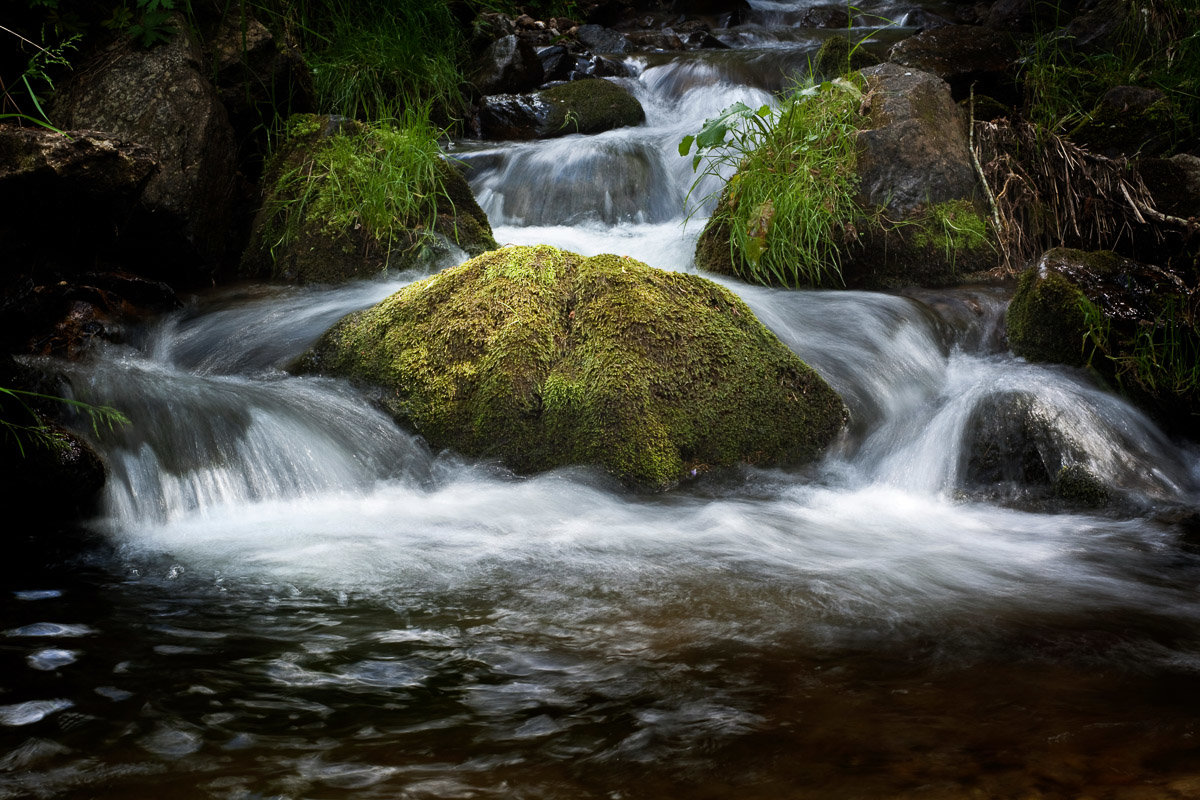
column 542, row 358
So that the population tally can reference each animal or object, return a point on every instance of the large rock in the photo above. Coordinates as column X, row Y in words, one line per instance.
column 161, row 98
column 913, row 151
column 1132, row 323
column 508, row 65
column 325, row 227
column 964, row 56
column 542, row 358
column 258, row 77
column 590, row 105
column 914, row 221
column 66, row 199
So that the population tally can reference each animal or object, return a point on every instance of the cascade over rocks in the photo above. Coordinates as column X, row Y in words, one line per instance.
column 1133, row 323
column 306, row 242
column 161, row 98
column 543, row 358
column 590, row 105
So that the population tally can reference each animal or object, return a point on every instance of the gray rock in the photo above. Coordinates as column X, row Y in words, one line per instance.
column 961, row 55
column 590, row 105
column 915, row 153
column 508, row 65
column 162, row 99
column 599, row 39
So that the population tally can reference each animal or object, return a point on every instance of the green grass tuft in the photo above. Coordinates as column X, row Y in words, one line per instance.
column 383, row 179
column 794, row 189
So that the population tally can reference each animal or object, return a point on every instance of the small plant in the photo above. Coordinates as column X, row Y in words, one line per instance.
column 34, row 431
column 788, row 205
column 36, row 79
column 147, row 22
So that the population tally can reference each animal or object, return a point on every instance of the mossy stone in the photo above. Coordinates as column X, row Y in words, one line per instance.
column 318, row 249
column 1045, row 319
column 542, row 358
column 590, row 105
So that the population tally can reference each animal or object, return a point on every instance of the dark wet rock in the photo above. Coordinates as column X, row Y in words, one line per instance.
column 162, row 99
column 923, row 20
column 1174, row 184
column 663, row 40
column 298, row 236
column 64, row 317
column 824, row 17
column 602, row 40
column 509, row 64
column 963, row 56
column 590, row 105
column 702, row 40
column 1129, row 120
column 1014, row 446
column 915, row 152
column 542, row 358
column 557, row 63
column 258, row 77
column 1022, row 16
column 66, row 200
column 1130, row 322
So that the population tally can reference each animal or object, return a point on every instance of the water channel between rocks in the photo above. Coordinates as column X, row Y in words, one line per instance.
column 288, row 596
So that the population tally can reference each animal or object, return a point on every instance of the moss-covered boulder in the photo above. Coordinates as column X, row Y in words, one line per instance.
column 541, row 358
column 344, row 200
column 588, row 105
column 1133, row 323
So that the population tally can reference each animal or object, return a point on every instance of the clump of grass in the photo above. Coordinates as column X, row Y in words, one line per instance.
column 787, row 206
column 384, row 180
column 1156, row 46
column 26, row 427
column 370, row 59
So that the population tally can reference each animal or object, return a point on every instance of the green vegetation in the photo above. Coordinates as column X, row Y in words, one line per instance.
column 372, row 59
column 1156, row 46
column 36, row 80
column 787, row 206
column 345, row 198
column 542, row 358
column 385, row 180
column 952, row 228
column 24, row 426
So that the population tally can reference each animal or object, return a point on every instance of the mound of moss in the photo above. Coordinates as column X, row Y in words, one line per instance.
column 1133, row 323
column 345, row 200
column 541, row 358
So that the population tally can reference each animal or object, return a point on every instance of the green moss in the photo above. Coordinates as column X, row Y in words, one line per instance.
column 349, row 200
column 955, row 230
column 541, row 358
column 1077, row 485
column 591, row 105
column 1045, row 319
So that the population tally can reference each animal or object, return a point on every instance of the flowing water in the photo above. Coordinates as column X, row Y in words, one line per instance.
column 287, row 596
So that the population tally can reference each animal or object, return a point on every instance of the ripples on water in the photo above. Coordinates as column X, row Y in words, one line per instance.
column 287, row 596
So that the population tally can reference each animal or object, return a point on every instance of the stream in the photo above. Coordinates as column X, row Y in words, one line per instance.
column 287, row 596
